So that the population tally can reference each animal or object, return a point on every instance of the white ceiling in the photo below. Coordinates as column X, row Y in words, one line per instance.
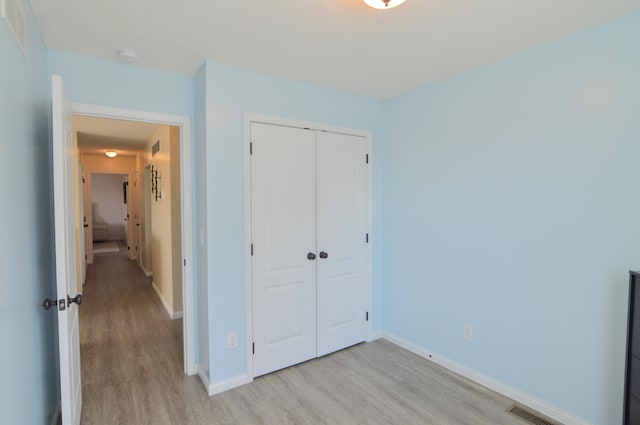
column 97, row 135
column 342, row 44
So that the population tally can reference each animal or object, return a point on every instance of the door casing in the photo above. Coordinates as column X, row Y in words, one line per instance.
column 186, row 168
column 266, row 119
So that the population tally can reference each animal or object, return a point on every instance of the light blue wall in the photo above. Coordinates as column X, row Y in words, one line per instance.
column 28, row 364
column 511, row 204
column 91, row 80
column 230, row 93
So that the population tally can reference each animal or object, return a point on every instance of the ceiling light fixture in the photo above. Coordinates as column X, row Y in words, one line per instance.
column 384, row 4
column 111, row 154
column 128, row 55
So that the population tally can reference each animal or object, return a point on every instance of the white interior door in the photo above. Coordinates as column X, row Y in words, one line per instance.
column 283, row 236
column 64, row 153
column 83, row 221
column 135, row 206
column 88, row 215
column 128, row 221
column 145, row 224
column 342, row 228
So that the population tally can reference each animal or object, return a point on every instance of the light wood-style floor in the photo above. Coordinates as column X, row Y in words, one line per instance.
column 132, row 374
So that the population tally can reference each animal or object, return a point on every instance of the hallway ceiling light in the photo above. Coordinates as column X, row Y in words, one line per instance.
column 111, row 154
column 384, row 4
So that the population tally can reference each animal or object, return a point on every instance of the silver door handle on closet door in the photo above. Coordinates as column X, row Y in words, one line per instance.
column 323, row 254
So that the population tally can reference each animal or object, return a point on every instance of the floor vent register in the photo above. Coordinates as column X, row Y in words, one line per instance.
column 530, row 416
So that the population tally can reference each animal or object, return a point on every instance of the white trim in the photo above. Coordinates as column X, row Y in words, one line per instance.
column 146, row 273
column 375, row 335
column 267, row 119
column 287, row 122
column 248, row 303
column 186, row 191
column 369, row 249
column 172, row 314
column 520, row 396
column 229, row 384
column 204, row 378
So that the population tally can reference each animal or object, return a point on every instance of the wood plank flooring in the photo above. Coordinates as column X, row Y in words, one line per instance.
column 132, row 374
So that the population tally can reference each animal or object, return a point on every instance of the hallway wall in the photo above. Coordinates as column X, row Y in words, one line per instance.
column 28, row 358
column 166, row 235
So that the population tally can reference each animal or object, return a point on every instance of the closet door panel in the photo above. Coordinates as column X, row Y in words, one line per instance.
column 341, row 224
column 283, row 206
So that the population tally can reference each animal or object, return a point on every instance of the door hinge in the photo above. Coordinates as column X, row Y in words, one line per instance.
column 184, row 262
column 367, row 159
column 366, row 238
column 367, row 316
column 83, row 180
column 250, row 148
column 128, row 248
column 253, row 347
column 85, row 257
column 252, row 250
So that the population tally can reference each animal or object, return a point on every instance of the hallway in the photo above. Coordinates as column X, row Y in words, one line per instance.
column 131, row 352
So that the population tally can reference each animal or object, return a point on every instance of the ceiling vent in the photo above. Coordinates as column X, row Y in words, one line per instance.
column 13, row 13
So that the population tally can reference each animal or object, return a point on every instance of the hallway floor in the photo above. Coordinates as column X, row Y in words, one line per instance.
column 132, row 373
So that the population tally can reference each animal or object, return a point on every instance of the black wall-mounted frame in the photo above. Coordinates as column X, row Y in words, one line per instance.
column 155, row 183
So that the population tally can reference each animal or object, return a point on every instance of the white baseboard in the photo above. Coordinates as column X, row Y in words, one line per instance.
column 172, row 314
column 228, row 384
column 55, row 417
column 204, row 377
column 375, row 335
column 543, row 407
column 146, row 273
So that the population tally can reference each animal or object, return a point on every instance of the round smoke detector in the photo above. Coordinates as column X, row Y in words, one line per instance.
column 128, row 55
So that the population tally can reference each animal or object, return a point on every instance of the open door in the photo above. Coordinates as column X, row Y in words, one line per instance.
column 83, row 230
column 64, row 156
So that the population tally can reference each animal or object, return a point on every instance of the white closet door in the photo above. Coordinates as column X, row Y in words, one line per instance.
column 341, row 224
column 283, row 201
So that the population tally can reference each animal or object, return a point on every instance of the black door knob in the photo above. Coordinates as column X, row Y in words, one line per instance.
column 311, row 256
column 47, row 303
column 77, row 299
column 323, row 254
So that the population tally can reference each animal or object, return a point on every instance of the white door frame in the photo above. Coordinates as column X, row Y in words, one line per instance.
column 266, row 119
column 186, row 195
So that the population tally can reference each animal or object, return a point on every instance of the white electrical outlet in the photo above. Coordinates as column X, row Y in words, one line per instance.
column 467, row 332
column 232, row 340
